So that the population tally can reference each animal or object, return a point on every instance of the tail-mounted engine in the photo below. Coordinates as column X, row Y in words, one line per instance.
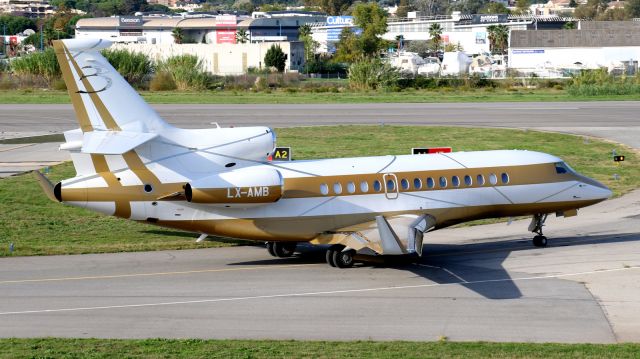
column 244, row 186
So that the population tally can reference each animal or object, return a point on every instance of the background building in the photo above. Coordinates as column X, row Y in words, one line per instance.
column 594, row 44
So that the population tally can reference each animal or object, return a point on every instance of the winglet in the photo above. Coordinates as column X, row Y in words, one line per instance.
column 46, row 185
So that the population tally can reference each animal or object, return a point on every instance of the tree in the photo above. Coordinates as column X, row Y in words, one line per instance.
column 403, row 9
column 275, row 57
column 331, row 7
column 178, row 35
column 468, row 6
column 632, row 7
column 573, row 4
column 569, row 25
column 494, row 8
column 373, row 22
column 522, row 7
column 591, row 10
column 242, row 36
column 498, row 38
column 348, row 48
column 421, row 48
column 304, row 30
column 16, row 24
column 435, row 32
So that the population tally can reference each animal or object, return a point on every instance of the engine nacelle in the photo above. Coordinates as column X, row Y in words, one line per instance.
column 243, row 186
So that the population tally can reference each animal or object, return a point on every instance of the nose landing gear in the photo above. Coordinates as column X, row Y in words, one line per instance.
column 537, row 222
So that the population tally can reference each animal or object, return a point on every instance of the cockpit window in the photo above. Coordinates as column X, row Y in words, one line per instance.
column 562, row 168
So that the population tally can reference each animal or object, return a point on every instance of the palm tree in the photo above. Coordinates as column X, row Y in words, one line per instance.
column 304, row 31
column 242, row 36
column 178, row 35
column 435, row 32
column 498, row 38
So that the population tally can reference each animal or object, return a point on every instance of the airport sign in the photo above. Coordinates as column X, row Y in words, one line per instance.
column 130, row 22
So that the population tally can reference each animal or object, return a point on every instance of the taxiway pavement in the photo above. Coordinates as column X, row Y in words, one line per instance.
column 474, row 283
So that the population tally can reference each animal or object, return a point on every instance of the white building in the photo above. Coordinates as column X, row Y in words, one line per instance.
column 223, row 59
column 594, row 44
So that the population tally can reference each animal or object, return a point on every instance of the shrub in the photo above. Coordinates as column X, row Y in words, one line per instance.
column 275, row 57
column 43, row 64
column 133, row 66
column 600, row 83
column 187, row 72
column 162, row 81
column 372, row 74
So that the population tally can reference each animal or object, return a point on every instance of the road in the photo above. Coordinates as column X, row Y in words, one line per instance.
column 474, row 283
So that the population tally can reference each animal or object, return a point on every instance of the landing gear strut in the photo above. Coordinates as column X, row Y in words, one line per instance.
column 281, row 249
column 339, row 256
column 536, row 227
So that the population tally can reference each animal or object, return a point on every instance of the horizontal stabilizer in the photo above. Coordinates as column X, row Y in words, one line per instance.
column 114, row 142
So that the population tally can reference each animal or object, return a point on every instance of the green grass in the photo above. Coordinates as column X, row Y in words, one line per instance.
column 38, row 226
column 196, row 348
column 286, row 97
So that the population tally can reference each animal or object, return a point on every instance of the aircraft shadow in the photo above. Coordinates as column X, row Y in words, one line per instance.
column 477, row 266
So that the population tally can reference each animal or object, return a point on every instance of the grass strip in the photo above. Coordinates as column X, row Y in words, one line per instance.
column 37, row 226
column 293, row 96
column 197, row 348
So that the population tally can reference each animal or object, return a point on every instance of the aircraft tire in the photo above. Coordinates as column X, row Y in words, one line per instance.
column 284, row 250
column 270, row 248
column 343, row 259
column 540, row 241
column 331, row 251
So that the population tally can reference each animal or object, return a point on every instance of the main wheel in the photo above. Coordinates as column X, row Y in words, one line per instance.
column 540, row 241
column 344, row 259
column 284, row 250
column 270, row 248
column 331, row 251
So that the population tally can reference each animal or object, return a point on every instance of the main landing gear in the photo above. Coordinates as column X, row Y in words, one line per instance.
column 340, row 256
column 281, row 249
column 536, row 227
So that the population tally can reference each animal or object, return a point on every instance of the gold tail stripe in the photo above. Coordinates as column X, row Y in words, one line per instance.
column 72, row 87
column 107, row 119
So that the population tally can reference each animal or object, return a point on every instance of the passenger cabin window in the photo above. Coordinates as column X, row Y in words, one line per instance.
column 377, row 186
column 391, row 185
column 430, row 182
column 455, row 181
column 417, row 183
column 405, row 184
column 324, row 189
column 493, row 179
column 480, row 180
column 505, row 178
column 351, row 187
column 364, row 186
column 337, row 188
column 467, row 180
column 443, row 182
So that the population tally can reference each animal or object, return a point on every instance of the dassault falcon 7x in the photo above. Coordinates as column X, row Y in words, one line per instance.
column 218, row 181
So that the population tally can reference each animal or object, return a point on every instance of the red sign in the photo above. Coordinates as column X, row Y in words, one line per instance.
column 226, row 36
column 426, row 150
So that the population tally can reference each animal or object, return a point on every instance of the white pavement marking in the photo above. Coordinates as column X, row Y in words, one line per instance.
column 313, row 293
column 462, row 280
column 151, row 274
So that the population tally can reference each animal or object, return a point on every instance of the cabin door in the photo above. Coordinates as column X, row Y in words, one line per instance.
column 390, row 185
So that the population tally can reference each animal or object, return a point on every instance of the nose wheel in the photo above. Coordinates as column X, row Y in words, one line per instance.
column 540, row 241
column 537, row 222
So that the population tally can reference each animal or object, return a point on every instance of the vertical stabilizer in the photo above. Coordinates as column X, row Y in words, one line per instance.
column 101, row 98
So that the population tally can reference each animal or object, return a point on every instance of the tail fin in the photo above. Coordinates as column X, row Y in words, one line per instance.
column 101, row 98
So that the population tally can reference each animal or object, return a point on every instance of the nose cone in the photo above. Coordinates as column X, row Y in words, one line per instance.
column 597, row 189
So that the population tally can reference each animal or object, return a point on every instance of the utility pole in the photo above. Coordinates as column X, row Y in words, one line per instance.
column 41, row 39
